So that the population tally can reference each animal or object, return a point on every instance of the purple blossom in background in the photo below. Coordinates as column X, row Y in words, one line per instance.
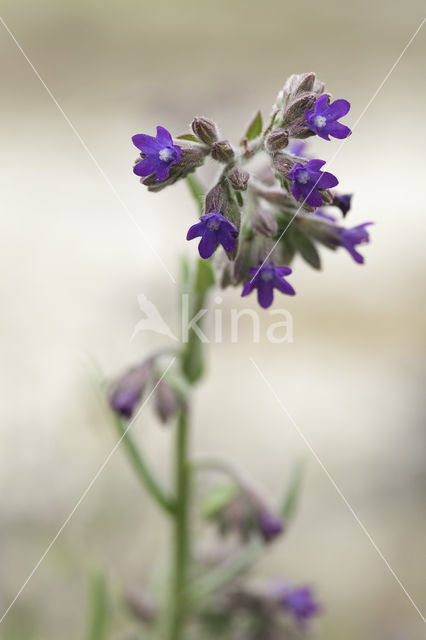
column 297, row 147
column 322, row 120
column 265, row 279
column 270, row 525
column 126, row 392
column 343, row 202
column 160, row 154
column 307, row 179
column 349, row 238
column 214, row 229
column 320, row 213
column 299, row 601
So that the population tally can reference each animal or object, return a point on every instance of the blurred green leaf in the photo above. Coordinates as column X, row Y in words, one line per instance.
column 188, row 136
column 204, row 277
column 306, row 248
column 255, row 127
column 292, row 496
column 196, row 190
column 217, row 499
column 97, row 626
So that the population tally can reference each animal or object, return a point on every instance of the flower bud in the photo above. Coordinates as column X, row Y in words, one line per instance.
column 167, row 401
column 270, row 525
column 277, row 139
column 205, row 130
column 283, row 164
column 239, row 178
column 264, row 222
column 127, row 391
column 222, row 151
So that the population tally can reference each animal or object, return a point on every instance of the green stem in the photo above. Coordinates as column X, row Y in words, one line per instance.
column 142, row 469
column 181, row 531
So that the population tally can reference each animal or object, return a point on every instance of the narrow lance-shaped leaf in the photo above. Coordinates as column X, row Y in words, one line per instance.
column 196, row 190
column 254, row 129
column 97, row 624
column 292, row 496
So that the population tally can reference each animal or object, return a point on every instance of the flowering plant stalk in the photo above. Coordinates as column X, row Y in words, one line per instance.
column 270, row 202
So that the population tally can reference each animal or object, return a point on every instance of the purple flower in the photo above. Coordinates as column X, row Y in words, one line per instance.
column 307, row 179
column 349, row 238
column 299, row 601
column 270, row 525
column 343, row 202
column 160, row 154
column 323, row 119
column 214, row 229
column 265, row 278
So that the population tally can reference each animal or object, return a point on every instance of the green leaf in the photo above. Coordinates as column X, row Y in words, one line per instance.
column 218, row 498
column 98, row 611
column 204, row 277
column 197, row 191
column 292, row 496
column 188, row 136
column 306, row 248
column 255, row 128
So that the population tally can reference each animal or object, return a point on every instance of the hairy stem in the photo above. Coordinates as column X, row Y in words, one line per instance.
column 181, row 531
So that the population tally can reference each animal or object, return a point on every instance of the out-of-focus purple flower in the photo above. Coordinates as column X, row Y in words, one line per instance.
column 270, row 525
column 297, row 147
column 320, row 213
column 214, row 229
column 343, row 202
column 300, row 602
column 126, row 392
column 350, row 238
column 307, row 179
column 322, row 120
column 265, row 278
column 160, row 154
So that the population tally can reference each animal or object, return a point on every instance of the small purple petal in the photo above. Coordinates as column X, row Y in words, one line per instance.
column 265, row 294
column 338, row 109
column 284, row 287
column 195, row 231
column 338, row 130
column 208, row 244
column 146, row 167
column 164, row 138
column 327, row 180
column 147, row 144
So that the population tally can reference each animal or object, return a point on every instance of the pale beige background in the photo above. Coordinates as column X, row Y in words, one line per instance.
column 72, row 264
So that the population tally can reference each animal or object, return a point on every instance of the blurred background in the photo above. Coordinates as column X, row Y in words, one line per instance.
column 73, row 264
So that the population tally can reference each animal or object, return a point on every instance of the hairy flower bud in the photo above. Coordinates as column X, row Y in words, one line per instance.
column 283, row 164
column 205, row 130
column 264, row 222
column 127, row 391
column 277, row 139
column 167, row 401
column 222, row 151
column 239, row 178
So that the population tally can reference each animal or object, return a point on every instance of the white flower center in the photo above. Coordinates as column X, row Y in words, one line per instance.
column 165, row 154
column 320, row 121
column 303, row 177
column 267, row 275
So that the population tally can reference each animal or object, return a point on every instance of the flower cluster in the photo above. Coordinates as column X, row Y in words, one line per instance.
column 282, row 211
